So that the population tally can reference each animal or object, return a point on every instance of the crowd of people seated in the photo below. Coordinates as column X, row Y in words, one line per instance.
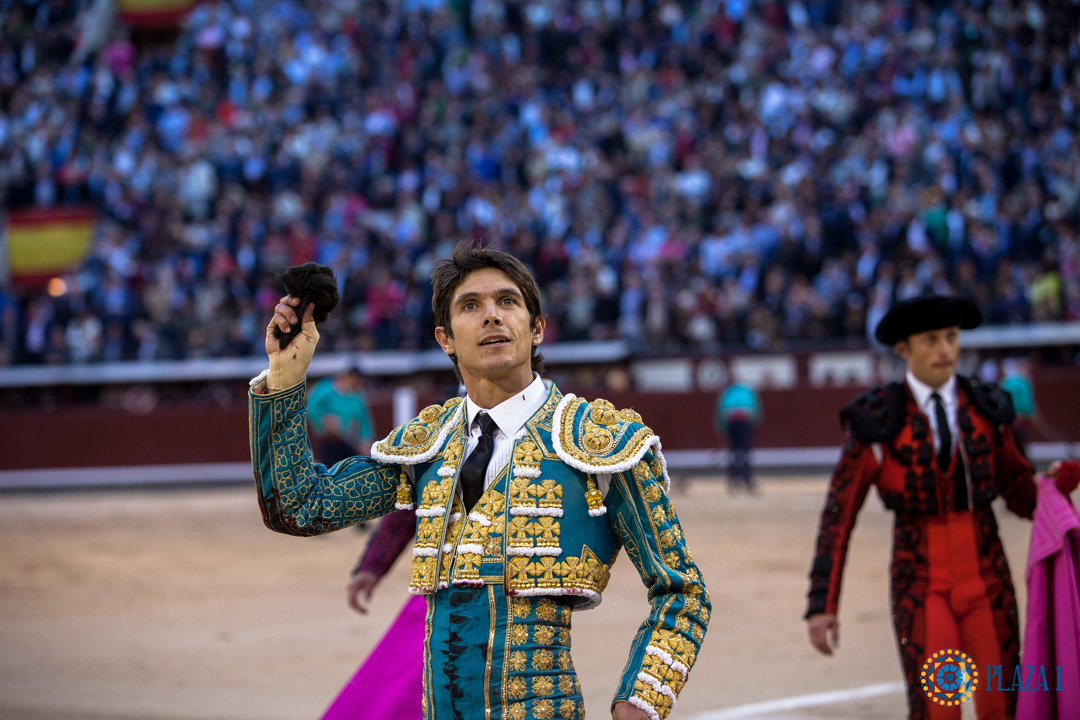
column 682, row 175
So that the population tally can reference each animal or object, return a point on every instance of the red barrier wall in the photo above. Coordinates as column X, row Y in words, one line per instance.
column 85, row 437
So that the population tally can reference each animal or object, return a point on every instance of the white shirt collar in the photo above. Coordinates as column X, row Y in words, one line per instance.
column 922, row 391
column 511, row 414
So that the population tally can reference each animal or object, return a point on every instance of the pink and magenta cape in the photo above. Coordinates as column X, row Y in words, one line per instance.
column 1052, row 633
column 389, row 685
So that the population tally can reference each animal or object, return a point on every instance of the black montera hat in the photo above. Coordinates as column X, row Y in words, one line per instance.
column 928, row 312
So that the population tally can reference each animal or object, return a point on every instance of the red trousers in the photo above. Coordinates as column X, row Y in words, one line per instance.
column 951, row 588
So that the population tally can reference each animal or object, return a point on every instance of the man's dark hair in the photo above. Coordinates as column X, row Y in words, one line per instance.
column 468, row 257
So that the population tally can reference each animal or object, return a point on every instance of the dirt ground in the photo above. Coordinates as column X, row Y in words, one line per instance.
column 179, row 604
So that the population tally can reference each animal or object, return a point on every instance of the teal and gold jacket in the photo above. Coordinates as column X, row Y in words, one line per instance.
column 584, row 481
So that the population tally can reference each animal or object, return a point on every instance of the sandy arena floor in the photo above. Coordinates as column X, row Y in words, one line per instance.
column 181, row 605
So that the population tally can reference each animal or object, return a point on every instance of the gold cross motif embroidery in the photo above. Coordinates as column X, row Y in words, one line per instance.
column 519, row 531
column 527, row 453
column 546, row 531
column 548, row 492
column 519, row 573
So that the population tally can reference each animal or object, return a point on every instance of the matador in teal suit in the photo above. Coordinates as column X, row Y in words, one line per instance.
column 503, row 571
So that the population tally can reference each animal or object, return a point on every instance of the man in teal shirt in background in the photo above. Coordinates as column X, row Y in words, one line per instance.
column 1016, row 381
column 340, row 418
column 738, row 410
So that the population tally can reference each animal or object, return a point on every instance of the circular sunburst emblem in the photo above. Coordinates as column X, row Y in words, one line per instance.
column 949, row 677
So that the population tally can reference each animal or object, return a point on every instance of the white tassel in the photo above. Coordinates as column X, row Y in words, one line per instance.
column 431, row 512
column 660, row 653
column 535, row 511
column 602, row 510
column 404, row 506
column 668, row 660
column 534, row 551
column 658, row 452
column 594, row 598
column 639, row 703
column 446, row 472
column 526, row 472
column 425, row 552
column 649, row 680
column 658, row 687
column 454, row 517
column 479, row 519
column 471, row 548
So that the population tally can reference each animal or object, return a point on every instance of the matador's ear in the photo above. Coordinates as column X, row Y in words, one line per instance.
column 315, row 285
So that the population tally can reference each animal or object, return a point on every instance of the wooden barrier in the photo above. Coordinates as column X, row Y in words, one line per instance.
column 799, row 417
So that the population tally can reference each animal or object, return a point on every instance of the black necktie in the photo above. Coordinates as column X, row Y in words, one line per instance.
column 475, row 467
column 945, row 451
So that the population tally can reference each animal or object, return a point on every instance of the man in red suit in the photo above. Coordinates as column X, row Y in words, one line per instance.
column 939, row 447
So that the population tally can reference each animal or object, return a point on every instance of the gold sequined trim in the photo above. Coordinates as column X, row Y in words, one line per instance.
column 601, row 430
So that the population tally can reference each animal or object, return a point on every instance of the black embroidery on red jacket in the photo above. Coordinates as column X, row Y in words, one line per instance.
column 877, row 415
column 840, row 493
column 908, row 594
column 991, row 401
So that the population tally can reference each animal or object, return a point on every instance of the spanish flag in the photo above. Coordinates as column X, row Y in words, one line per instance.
column 154, row 13
column 45, row 242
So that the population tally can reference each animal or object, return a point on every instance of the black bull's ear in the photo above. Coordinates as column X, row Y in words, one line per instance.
column 313, row 284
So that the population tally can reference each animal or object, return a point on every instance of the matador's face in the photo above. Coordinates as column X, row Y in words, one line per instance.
column 490, row 332
column 932, row 355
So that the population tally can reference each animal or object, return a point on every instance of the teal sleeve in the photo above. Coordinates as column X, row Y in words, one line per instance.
column 298, row 496
column 667, row 643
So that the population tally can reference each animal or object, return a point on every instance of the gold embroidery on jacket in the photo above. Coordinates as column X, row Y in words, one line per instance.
column 417, row 436
column 601, row 430
column 586, row 572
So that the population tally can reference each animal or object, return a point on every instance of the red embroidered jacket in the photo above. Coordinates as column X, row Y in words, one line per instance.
column 887, row 443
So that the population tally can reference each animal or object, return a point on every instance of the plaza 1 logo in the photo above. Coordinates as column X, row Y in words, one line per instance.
column 949, row 677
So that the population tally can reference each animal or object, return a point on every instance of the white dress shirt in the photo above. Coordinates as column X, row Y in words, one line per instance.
column 510, row 415
column 923, row 397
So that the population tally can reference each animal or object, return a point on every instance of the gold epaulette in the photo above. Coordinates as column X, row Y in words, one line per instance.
column 596, row 438
column 421, row 439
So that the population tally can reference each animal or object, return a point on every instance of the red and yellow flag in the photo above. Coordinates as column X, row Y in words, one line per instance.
column 154, row 13
column 45, row 242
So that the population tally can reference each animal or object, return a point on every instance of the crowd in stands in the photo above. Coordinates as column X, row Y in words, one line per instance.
column 683, row 175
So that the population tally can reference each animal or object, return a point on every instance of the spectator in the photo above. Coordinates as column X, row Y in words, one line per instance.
column 340, row 419
column 1017, row 382
column 738, row 411
column 84, row 337
column 674, row 175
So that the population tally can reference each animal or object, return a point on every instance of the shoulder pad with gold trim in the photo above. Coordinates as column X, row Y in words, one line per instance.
column 596, row 438
column 419, row 440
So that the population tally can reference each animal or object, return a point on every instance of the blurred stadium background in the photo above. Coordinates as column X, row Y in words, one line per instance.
column 708, row 192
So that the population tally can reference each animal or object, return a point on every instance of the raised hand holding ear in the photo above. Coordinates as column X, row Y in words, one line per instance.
column 289, row 366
